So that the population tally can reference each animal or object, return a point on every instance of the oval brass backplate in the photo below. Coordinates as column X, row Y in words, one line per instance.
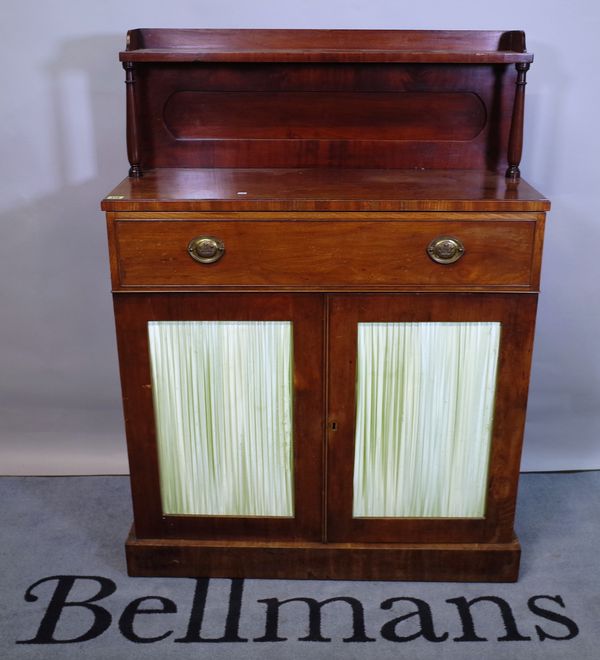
column 206, row 249
column 445, row 249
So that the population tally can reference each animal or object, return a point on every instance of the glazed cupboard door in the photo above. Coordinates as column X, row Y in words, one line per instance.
column 223, row 401
column 427, row 396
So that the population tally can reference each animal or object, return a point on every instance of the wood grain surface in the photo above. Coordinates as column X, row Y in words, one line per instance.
column 466, row 562
column 222, row 189
column 192, row 45
column 324, row 254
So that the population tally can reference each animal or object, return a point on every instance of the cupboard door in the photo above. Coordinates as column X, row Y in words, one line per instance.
column 427, row 400
column 223, row 400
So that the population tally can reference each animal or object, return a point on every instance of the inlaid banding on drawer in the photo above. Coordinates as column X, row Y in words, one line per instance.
column 318, row 255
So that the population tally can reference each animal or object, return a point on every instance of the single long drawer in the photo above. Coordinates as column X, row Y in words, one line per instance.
column 317, row 254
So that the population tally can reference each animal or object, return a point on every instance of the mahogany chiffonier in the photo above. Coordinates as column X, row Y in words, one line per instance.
column 325, row 268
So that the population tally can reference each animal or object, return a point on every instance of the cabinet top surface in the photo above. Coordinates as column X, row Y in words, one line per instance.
column 178, row 189
column 458, row 46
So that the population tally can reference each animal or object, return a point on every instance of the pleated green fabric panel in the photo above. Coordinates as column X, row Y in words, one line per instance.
column 223, row 409
column 425, row 399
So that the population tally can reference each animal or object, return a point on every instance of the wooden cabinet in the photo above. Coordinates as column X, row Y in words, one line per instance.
column 325, row 291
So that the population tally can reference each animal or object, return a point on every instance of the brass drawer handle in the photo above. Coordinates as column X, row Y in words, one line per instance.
column 206, row 249
column 445, row 249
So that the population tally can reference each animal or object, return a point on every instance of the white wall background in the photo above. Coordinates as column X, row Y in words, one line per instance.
column 62, row 148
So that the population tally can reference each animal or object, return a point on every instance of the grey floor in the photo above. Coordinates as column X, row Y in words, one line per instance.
column 61, row 544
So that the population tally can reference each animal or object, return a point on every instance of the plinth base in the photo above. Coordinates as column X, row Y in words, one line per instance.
column 450, row 562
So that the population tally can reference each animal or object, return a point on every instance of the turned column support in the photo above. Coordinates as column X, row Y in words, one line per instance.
column 133, row 148
column 515, row 140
